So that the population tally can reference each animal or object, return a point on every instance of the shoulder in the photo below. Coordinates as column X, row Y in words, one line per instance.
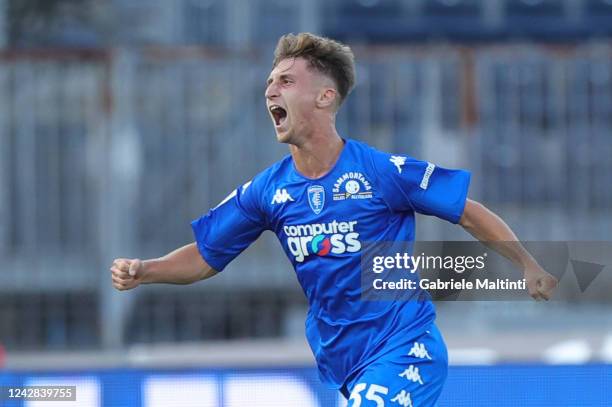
column 382, row 161
column 361, row 148
column 397, row 171
column 258, row 192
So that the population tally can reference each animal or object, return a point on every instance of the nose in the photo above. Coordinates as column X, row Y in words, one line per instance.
column 271, row 91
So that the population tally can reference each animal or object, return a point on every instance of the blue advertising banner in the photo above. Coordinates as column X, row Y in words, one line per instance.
column 474, row 386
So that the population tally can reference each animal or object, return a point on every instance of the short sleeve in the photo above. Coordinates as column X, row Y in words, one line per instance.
column 410, row 184
column 228, row 229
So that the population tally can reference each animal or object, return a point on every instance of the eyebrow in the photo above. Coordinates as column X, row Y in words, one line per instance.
column 282, row 76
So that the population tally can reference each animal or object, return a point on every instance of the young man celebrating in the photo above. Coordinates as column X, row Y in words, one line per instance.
column 323, row 201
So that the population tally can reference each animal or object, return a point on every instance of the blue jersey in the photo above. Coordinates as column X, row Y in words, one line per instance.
column 367, row 196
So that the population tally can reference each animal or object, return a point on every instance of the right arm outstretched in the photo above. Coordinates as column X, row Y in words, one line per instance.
column 182, row 266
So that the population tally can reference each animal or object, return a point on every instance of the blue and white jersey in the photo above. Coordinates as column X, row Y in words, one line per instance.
column 368, row 196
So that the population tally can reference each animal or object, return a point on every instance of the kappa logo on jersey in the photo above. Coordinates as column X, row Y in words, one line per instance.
column 398, row 161
column 352, row 185
column 281, row 196
column 322, row 239
column 316, row 198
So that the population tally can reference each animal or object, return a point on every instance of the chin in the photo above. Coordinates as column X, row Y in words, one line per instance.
column 284, row 137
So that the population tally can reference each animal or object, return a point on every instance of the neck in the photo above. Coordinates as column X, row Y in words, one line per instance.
column 317, row 155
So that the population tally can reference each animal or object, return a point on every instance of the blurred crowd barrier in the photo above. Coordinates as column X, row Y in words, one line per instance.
column 244, row 24
column 111, row 153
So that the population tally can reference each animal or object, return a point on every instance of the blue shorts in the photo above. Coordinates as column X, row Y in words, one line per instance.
column 411, row 375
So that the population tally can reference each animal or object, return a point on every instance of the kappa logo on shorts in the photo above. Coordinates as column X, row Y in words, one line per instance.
column 419, row 351
column 403, row 399
column 412, row 374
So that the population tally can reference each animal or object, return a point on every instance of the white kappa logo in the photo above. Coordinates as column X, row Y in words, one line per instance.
column 398, row 161
column 281, row 196
column 419, row 351
column 403, row 399
column 412, row 374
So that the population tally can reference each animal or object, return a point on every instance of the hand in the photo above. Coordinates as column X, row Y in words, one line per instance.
column 126, row 273
column 540, row 283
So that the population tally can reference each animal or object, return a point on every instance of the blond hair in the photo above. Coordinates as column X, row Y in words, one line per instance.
column 329, row 57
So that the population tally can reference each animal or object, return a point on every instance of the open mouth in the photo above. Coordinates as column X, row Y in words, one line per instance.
column 278, row 114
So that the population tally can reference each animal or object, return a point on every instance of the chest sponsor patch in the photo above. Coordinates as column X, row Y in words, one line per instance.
column 352, row 185
column 322, row 239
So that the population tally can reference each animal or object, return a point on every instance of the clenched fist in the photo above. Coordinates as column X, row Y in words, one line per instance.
column 126, row 273
column 540, row 283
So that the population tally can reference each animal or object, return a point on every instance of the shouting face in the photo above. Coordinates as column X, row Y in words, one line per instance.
column 294, row 93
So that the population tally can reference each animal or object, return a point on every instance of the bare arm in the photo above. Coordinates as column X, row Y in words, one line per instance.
column 487, row 227
column 490, row 229
column 182, row 266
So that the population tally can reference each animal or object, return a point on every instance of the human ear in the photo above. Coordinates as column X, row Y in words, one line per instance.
column 327, row 97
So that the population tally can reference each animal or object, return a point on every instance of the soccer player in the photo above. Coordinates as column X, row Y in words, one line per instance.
column 323, row 201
